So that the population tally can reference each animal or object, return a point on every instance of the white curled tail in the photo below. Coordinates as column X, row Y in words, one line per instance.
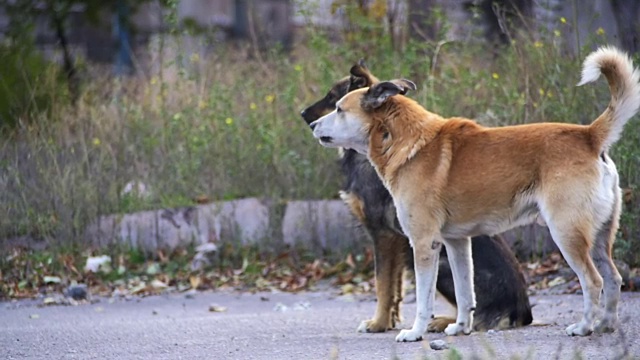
column 623, row 79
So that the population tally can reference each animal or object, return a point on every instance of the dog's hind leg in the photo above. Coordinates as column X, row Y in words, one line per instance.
column 459, row 253
column 601, row 254
column 574, row 244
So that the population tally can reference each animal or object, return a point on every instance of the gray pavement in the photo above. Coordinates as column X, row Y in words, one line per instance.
column 310, row 325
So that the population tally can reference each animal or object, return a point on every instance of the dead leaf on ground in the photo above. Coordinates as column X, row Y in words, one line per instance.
column 194, row 281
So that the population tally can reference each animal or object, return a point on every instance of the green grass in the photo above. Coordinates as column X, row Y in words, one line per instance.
column 227, row 125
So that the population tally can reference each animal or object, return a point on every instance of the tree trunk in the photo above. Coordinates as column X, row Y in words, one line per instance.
column 626, row 13
column 69, row 67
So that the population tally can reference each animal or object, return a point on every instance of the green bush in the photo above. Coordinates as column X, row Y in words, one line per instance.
column 28, row 85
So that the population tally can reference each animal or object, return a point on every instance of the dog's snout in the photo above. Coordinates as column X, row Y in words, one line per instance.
column 313, row 125
column 303, row 113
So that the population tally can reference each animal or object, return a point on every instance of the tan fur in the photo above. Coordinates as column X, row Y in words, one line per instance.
column 389, row 289
column 453, row 178
column 355, row 204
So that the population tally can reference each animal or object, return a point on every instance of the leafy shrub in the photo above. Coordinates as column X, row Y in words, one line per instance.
column 28, row 85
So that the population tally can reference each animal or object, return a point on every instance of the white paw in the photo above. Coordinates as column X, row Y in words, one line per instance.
column 579, row 329
column 455, row 329
column 363, row 327
column 409, row 335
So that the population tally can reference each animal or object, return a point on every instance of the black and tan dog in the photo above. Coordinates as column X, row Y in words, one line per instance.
column 501, row 288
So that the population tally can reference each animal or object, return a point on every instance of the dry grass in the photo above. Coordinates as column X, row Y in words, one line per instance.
column 227, row 126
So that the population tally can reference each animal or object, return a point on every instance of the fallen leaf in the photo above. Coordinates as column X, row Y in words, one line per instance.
column 557, row 281
column 49, row 301
column 51, row 279
column 347, row 288
column 138, row 289
column 153, row 268
column 157, row 284
column 350, row 261
column 195, row 281
column 94, row 263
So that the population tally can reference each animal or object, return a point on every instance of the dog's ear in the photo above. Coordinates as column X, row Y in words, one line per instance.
column 379, row 93
column 405, row 84
column 361, row 77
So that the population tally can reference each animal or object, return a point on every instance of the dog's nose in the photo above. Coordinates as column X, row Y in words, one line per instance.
column 303, row 113
column 313, row 125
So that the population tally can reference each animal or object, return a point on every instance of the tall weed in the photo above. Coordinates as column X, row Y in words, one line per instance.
column 226, row 125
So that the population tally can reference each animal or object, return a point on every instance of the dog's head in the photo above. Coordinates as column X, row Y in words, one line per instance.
column 360, row 77
column 350, row 124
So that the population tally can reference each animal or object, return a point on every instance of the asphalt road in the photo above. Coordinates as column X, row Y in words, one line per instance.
column 312, row 325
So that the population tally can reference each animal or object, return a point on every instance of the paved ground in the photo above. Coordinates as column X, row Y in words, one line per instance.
column 315, row 325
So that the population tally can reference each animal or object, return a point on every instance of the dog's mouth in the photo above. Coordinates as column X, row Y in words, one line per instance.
column 326, row 139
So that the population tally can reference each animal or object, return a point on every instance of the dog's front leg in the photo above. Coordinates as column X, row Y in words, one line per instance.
column 460, row 261
column 426, row 251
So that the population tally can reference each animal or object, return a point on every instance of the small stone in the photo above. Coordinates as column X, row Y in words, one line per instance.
column 491, row 332
column 217, row 308
column 438, row 345
column 280, row 307
column 154, row 312
column 77, row 292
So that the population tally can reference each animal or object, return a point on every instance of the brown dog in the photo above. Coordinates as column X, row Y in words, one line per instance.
column 502, row 300
column 452, row 178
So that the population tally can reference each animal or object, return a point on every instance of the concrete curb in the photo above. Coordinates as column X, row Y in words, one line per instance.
column 315, row 225
column 320, row 226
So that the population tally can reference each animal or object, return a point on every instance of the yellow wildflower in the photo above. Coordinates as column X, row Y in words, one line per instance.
column 563, row 20
column 495, row 76
column 537, row 44
column 556, row 33
column 600, row 31
column 541, row 91
column 253, row 106
column 378, row 9
column 96, row 141
column 269, row 98
column 228, row 120
column 195, row 58
column 202, row 104
column 298, row 68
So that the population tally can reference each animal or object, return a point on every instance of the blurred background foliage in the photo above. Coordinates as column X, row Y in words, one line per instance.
column 224, row 123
